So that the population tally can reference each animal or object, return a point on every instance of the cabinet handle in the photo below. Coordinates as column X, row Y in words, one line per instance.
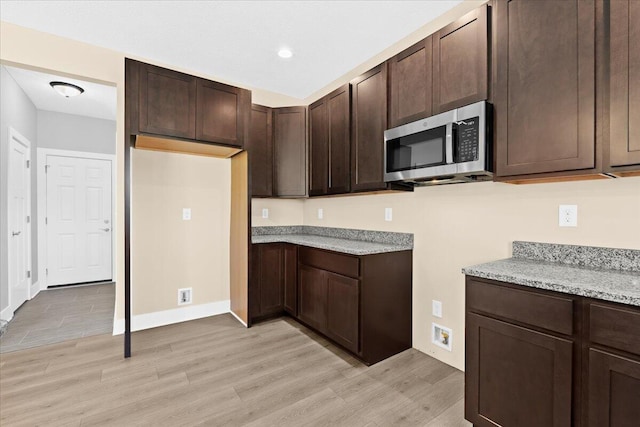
column 105, row 229
column 15, row 233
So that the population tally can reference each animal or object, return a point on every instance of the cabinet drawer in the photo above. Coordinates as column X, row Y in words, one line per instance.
column 534, row 308
column 615, row 327
column 337, row 263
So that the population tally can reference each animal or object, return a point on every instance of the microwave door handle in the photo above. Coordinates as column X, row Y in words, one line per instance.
column 449, row 144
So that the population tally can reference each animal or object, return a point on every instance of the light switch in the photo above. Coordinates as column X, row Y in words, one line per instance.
column 186, row 214
column 320, row 213
column 265, row 213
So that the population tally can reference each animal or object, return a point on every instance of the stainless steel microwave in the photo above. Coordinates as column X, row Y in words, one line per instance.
column 454, row 146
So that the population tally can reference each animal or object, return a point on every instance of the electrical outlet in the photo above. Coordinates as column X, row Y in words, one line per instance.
column 436, row 308
column 320, row 213
column 388, row 214
column 265, row 213
column 441, row 336
column 186, row 214
column 185, row 296
column 568, row 215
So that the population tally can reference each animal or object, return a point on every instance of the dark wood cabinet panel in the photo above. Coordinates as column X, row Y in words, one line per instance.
column 368, row 123
column 221, row 113
column 318, row 148
column 329, row 144
column 290, row 151
column 615, row 327
column 290, row 276
column 167, row 102
column 267, row 280
column 461, row 62
column 544, row 94
column 614, row 390
column 507, row 360
column 312, row 293
column 624, row 85
column 260, row 148
column 343, row 310
column 411, row 84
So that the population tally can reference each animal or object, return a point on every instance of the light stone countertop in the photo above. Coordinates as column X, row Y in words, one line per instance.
column 348, row 241
column 612, row 275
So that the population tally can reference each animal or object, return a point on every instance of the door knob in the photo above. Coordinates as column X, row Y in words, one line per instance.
column 105, row 229
column 15, row 233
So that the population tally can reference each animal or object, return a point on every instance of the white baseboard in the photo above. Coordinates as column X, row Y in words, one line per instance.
column 6, row 314
column 238, row 318
column 35, row 289
column 167, row 317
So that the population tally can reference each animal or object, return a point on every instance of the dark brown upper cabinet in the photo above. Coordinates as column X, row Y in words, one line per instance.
column 624, row 85
column 221, row 113
column 290, row 151
column 461, row 62
column 368, row 123
column 260, row 148
column 411, row 84
column 329, row 143
column 544, row 93
column 167, row 102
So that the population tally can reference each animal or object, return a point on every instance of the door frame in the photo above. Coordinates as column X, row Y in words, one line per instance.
column 22, row 140
column 42, row 205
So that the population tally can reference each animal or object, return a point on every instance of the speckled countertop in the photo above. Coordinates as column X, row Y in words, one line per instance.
column 345, row 240
column 604, row 273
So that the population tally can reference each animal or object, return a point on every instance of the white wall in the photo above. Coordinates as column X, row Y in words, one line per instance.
column 465, row 224
column 17, row 111
column 76, row 133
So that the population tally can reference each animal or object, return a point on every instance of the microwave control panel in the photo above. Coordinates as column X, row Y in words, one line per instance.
column 467, row 140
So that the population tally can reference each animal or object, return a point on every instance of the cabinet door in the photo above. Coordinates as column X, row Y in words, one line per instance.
column 167, row 102
column 271, row 278
column 343, row 310
column 318, row 148
column 312, row 308
column 461, row 62
column 221, row 113
column 290, row 276
column 368, row 123
column 411, row 84
column 339, row 121
column 290, row 151
column 625, row 83
column 516, row 376
column 614, row 390
column 544, row 93
column 260, row 148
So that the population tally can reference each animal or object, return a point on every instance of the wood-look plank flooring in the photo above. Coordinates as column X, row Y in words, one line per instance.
column 215, row 372
column 57, row 315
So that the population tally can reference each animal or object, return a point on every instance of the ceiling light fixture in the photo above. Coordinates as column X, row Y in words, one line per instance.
column 66, row 89
column 285, row 53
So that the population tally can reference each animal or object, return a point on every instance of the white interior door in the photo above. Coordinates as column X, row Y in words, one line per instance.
column 19, row 182
column 78, row 220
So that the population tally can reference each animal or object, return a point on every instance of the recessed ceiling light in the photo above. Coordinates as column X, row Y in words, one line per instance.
column 66, row 89
column 285, row 53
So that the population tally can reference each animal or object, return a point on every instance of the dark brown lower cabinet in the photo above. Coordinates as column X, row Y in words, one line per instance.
column 516, row 376
column 343, row 314
column 290, row 277
column 313, row 297
column 541, row 358
column 266, row 290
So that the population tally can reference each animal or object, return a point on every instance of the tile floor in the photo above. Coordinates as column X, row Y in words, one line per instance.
column 61, row 314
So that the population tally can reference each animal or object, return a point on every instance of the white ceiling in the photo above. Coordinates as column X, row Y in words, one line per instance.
column 97, row 101
column 237, row 40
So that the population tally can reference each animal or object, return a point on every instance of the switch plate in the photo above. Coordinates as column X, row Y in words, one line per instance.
column 265, row 213
column 186, row 214
column 436, row 308
column 185, row 296
column 320, row 213
column 568, row 215
column 388, row 214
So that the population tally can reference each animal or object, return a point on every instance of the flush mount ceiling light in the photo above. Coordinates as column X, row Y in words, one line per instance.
column 66, row 89
column 285, row 53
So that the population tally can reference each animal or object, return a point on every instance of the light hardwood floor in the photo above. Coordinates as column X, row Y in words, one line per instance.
column 214, row 372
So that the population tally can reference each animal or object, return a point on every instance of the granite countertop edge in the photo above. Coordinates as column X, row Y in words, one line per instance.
column 621, row 287
column 347, row 246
